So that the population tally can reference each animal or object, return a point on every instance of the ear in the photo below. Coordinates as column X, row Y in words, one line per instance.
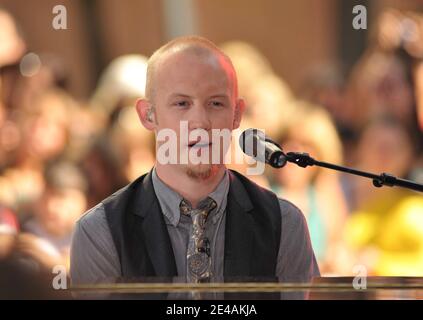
column 239, row 111
column 144, row 107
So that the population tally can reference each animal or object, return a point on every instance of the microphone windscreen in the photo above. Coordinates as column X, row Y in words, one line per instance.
column 252, row 143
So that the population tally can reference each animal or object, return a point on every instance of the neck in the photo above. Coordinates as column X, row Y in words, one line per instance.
column 192, row 189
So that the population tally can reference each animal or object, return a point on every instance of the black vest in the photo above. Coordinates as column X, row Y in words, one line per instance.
column 252, row 233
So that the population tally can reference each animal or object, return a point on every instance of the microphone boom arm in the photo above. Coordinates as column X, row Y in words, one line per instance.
column 384, row 179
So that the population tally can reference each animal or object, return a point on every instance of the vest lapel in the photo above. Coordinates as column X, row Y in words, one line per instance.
column 156, row 236
column 238, row 231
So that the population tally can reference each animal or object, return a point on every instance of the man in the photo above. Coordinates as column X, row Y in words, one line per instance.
column 196, row 221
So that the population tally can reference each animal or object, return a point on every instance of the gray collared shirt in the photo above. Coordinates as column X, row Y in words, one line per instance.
column 179, row 226
column 94, row 258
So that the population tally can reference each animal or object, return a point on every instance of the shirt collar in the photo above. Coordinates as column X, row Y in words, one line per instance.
column 169, row 199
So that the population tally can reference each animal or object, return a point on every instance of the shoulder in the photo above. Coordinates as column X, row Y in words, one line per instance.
column 239, row 181
column 288, row 209
column 92, row 232
column 93, row 221
column 93, row 253
column 249, row 195
column 292, row 217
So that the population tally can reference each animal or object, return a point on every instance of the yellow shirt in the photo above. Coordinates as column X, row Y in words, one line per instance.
column 393, row 225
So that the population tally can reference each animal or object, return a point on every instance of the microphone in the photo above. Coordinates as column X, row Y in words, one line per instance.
column 255, row 144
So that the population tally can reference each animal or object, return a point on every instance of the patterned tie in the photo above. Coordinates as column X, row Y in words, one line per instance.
column 198, row 253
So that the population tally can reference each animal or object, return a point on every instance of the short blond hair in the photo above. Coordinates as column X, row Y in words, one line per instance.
column 194, row 44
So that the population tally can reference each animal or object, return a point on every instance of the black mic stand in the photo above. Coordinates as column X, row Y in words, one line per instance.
column 304, row 160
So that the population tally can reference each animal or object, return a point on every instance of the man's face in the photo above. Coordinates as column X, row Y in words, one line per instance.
column 198, row 90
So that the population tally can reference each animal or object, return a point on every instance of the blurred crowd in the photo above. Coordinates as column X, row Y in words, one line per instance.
column 60, row 156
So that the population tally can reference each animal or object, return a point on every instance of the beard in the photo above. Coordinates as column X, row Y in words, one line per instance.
column 202, row 171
